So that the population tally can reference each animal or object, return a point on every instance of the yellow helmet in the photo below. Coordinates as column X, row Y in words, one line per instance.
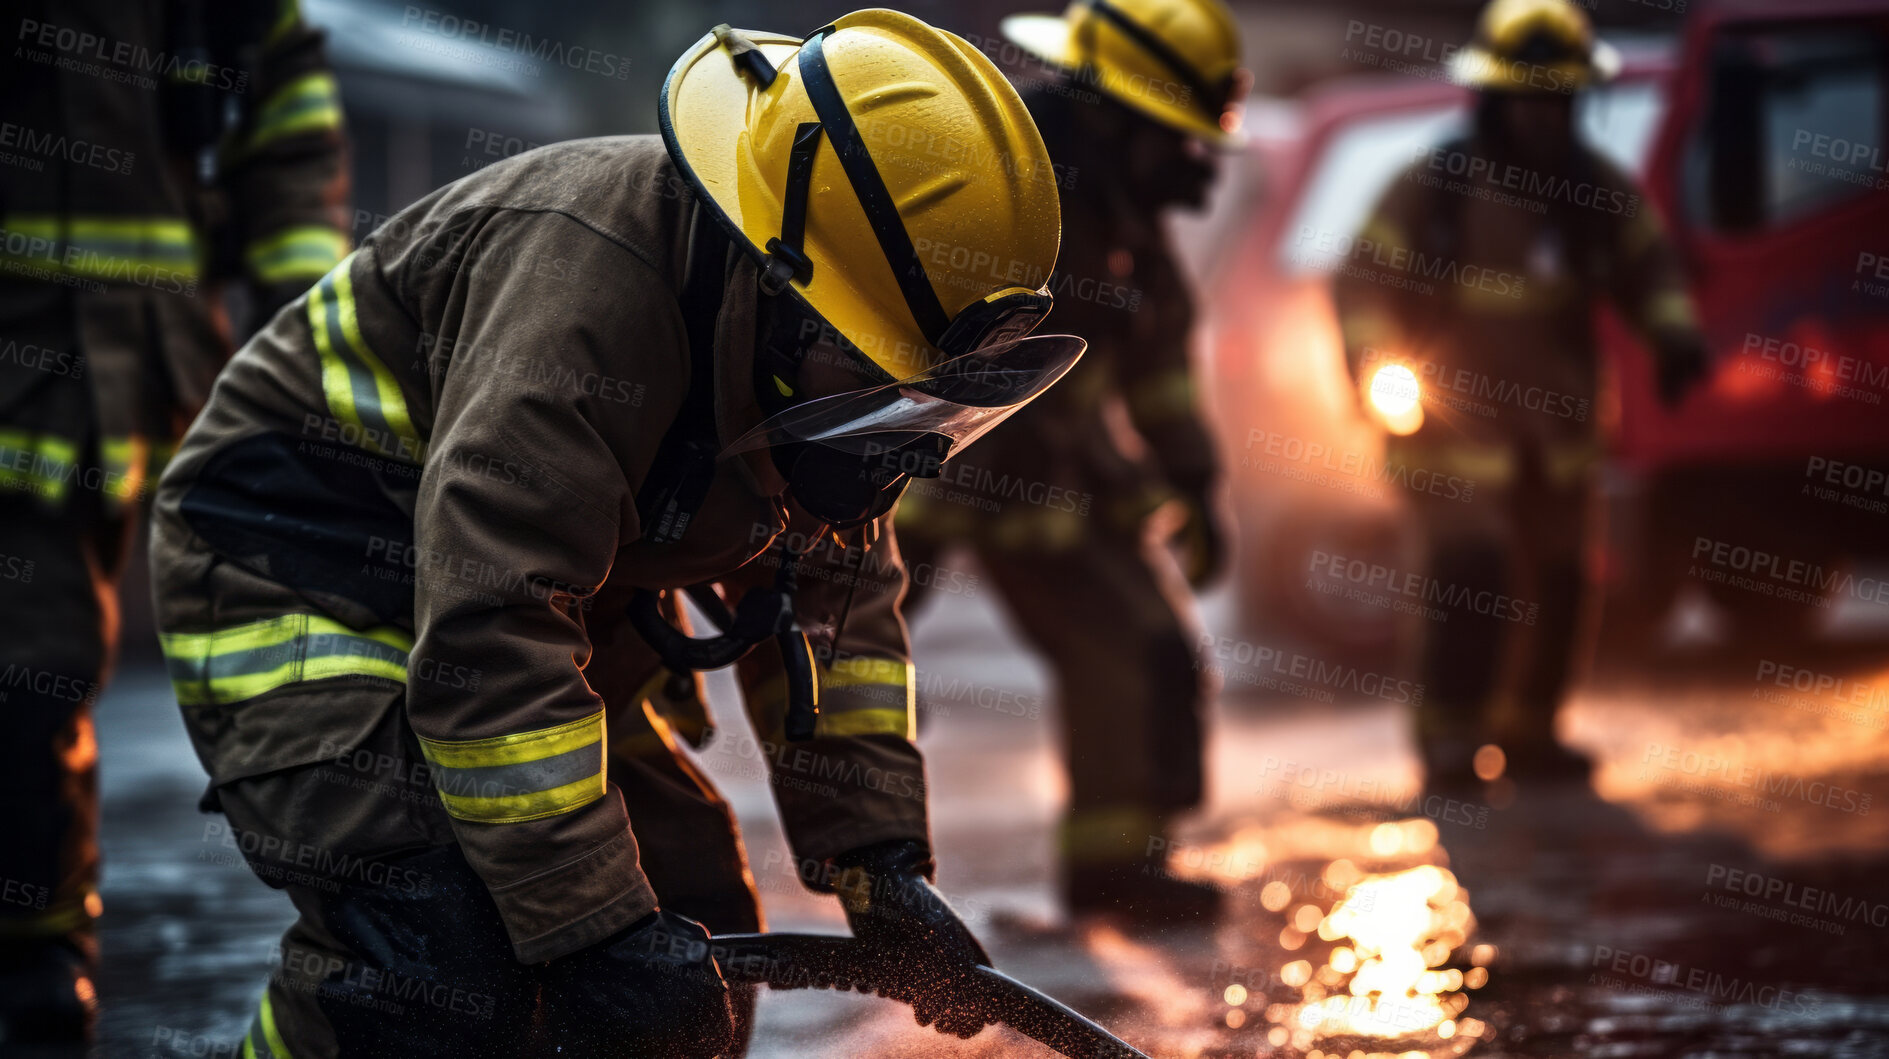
column 1177, row 61
column 1534, row 46
column 882, row 170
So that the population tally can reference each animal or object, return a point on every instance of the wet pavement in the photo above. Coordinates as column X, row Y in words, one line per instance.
column 1718, row 890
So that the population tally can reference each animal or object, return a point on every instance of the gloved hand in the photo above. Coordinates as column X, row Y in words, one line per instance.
column 1202, row 538
column 1681, row 365
column 890, row 903
column 651, row 991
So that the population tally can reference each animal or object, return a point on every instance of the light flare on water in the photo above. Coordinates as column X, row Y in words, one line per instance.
column 1385, row 978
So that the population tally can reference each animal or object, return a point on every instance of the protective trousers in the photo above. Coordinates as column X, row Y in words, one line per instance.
column 63, row 537
column 1105, row 612
column 1496, row 663
column 398, row 943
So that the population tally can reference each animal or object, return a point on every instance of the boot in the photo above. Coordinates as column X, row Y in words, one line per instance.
column 1144, row 894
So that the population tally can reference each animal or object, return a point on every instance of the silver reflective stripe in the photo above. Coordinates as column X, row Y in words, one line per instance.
column 498, row 781
column 361, row 382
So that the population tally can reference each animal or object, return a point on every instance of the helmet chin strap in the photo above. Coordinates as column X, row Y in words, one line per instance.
column 763, row 613
column 786, row 259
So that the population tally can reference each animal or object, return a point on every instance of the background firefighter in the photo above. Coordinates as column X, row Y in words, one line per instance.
column 394, row 556
column 1522, row 275
column 1057, row 505
column 155, row 151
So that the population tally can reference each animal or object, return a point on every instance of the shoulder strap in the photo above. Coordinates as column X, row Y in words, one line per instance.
column 684, row 467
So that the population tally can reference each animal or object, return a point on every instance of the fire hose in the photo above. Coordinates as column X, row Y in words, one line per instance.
column 817, row 961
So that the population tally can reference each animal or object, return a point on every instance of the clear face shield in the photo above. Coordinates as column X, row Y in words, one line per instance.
column 852, row 437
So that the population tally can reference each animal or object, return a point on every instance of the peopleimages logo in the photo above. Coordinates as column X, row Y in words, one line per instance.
column 1254, row 663
column 1783, row 577
column 450, row 27
column 125, row 61
column 1405, row 265
column 1414, row 585
column 1486, row 178
column 1795, row 897
column 1733, row 772
column 1709, row 986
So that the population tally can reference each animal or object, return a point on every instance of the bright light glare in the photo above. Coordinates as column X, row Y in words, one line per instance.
column 1394, row 396
column 1394, row 391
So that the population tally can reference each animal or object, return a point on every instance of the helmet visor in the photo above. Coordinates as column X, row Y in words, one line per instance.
column 959, row 399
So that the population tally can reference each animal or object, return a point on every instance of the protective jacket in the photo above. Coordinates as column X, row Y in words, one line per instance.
column 127, row 181
column 426, row 472
column 1485, row 284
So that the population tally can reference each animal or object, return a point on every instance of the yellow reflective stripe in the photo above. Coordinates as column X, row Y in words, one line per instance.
column 335, row 385
column 62, row 918
column 263, row 1026
column 1669, row 308
column 542, row 772
column 1489, row 464
column 869, row 717
column 872, row 721
column 102, row 247
column 310, row 103
column 269, row 1031
column 851, row 672
column 285, row 20
column 244, row 661
column 1568, row 463
column 393, row 403
column 359, row 389
column 305, row 252
column 205, row 692
column 274, row 632
column 127, row 466
column 519, row 808
column 345, row 665
column 37, row 463
column 1383, row 232
column 516, row 748
column 1168, row 395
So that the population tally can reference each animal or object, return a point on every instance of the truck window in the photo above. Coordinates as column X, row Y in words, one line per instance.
column 1793, row 125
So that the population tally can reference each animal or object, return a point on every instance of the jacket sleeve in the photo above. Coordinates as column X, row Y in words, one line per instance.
column 1646, row 281
column 861, row 779
column 1158, row 385
column 285, row 164
column 1378, row 320
column 523, row 503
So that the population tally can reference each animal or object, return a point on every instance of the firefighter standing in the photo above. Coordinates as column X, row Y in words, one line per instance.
column 1057, row 506
column 395, row 554
column 127, row 193
column 1528, row 228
